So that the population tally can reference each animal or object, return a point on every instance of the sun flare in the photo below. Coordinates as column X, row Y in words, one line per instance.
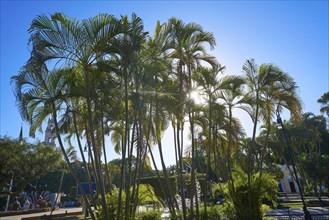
column 197, row 97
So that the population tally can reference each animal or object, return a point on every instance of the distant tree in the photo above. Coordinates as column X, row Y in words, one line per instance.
column 317, row 170
column 324, row 101
column 25, row 163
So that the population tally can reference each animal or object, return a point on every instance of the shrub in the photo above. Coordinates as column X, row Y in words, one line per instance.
column 228, row 210
column 112, row 204
column 155, row 183
column 150, row 215
column 213, row 213
column 247, row 201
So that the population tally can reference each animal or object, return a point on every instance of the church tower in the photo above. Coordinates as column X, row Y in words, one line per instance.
column 50, row 135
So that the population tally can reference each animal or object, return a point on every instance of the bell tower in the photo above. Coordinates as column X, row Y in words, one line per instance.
column 50, row 135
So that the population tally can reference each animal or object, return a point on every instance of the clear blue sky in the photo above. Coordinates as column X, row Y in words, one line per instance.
column 292, row 35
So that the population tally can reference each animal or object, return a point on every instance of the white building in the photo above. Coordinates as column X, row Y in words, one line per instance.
column 288, row 183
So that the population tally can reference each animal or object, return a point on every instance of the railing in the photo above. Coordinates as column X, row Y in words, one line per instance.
column 302, row 218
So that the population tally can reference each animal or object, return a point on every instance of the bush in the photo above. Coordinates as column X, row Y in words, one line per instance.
column 228, row 210
column 265, row 209
column 247, row 201
column 155, row 183
column 150, row 215
column 112, row 204
column 213, row 213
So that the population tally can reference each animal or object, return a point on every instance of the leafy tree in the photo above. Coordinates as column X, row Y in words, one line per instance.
column 324, row 101
column 317, row 171
column 25, row 163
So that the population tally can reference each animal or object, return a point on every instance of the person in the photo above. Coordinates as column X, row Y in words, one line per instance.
column 17, row 205
column 26, row 205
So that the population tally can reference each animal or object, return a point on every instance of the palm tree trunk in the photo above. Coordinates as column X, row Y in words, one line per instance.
column 122, row 177
column 107, row 179
column 59, row 190
column 139, row 168
column 171, row 209
column 83, row 158
column 180, row 168
column 125, row 142
column 69, row 163
column 253, row 142
column 96, row 154
column 140, row 160
column 91, row 162
column 151, row 130
column 208, row 156
column 264, row 150
column 229, row 153
column 193, row 184
column 130, row 151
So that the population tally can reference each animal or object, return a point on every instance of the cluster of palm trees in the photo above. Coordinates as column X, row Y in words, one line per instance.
column 107, row 76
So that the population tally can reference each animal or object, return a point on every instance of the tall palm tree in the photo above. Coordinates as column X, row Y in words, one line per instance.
column 188, row 44
column 130, row 44
column 157, row 92
column 261, row 80
column 231, row 96
column 207, row 80
column 78, row 44
column 40, row 94
column 282, row 92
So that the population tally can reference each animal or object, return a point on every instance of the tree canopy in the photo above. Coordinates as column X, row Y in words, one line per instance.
column 24, row 163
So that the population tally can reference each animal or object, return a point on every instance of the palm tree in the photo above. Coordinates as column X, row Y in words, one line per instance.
column 72, row 154
column 231, row 96
column 130, row 44
column 40, row 94
column 79, row 44
column 188, row 42
column 324, row 101
column 207, row 80
column 284, row 92
column 263, row 80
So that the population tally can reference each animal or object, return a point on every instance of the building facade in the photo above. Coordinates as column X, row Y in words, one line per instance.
column 288, row 183
column 50, row 134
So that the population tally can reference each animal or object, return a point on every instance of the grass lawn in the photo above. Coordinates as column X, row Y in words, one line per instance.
column 70, row 217
column 290, row 205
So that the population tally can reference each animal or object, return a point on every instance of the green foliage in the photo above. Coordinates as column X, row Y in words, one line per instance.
column 73, row 192
column 213, row 213
column 25, row 162
column 228, row 210
column 112, row 204
column 155, row 183
column 316, row 168
column 324, row 101
column 247, row 201
column 150, row 215
column 147, row 194
column 53, row 178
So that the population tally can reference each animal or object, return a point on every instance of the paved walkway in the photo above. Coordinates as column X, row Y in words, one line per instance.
column 314, row 211
column 297, row 212
column 59, row 211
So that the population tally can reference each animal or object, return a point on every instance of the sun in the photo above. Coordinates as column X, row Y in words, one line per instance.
column 197, row 97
